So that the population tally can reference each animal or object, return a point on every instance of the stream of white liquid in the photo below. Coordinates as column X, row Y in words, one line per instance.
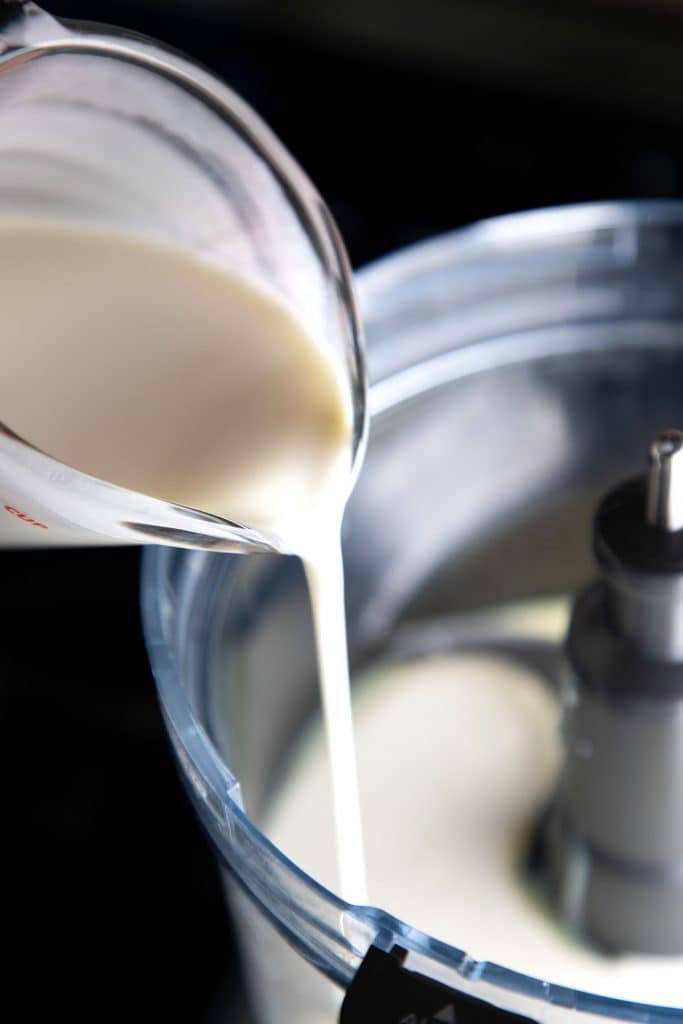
column 325, row 575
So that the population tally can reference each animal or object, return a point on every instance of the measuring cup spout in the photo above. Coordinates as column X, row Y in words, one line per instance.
column 43, row 502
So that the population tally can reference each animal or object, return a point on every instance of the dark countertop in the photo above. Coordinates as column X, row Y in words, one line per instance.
column 111, row 902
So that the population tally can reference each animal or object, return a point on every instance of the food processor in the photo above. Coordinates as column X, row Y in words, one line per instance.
column 525, row 399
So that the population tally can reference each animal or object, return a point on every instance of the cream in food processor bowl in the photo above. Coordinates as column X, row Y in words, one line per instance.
column 517, row 722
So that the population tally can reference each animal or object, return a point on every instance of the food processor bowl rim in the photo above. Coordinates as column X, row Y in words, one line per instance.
column 483, row 237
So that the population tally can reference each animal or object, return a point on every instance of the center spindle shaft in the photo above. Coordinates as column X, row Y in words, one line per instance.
column 614, row 838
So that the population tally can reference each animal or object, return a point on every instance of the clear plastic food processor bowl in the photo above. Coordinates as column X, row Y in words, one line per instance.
column 519, row 369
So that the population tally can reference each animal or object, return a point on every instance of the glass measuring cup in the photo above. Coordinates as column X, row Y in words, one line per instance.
column 106, row 129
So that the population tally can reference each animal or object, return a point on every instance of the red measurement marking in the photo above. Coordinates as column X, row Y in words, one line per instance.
column 22, row 515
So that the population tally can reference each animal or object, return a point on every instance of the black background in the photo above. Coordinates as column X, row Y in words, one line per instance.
column 111, row 907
